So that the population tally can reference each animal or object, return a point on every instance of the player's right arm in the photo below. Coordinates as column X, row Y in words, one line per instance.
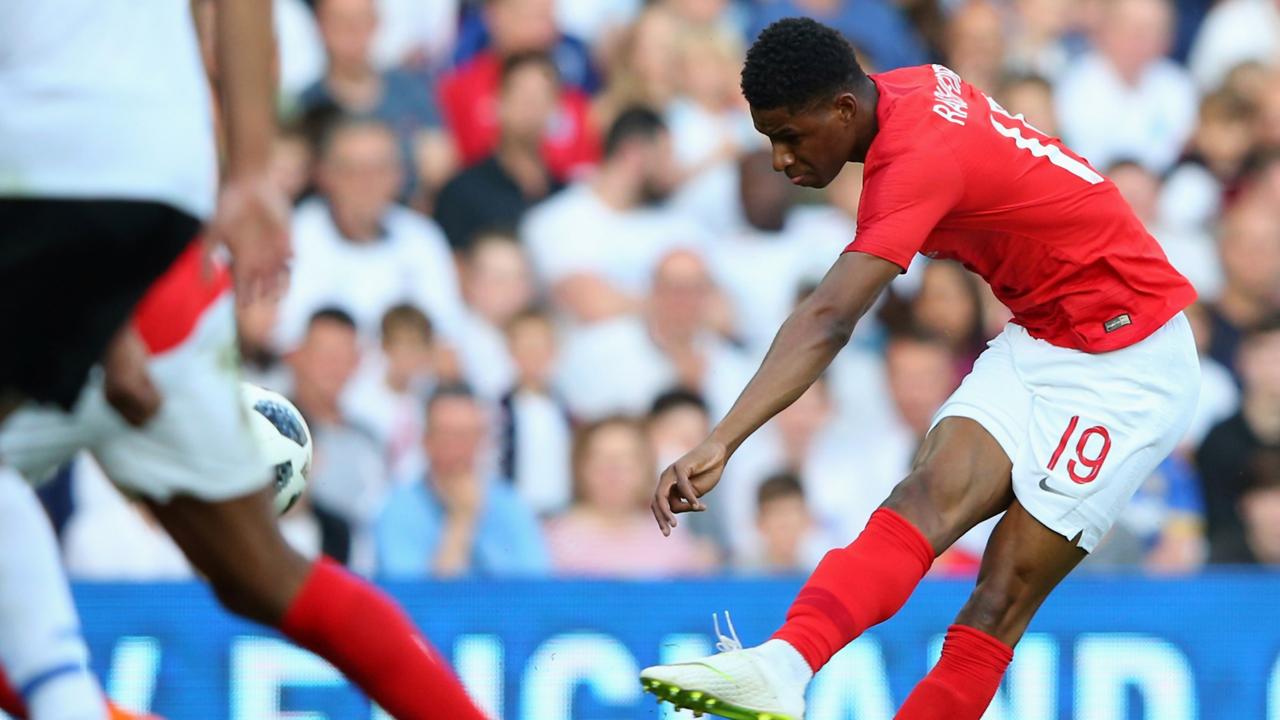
column 805, row 345
column 252, row 216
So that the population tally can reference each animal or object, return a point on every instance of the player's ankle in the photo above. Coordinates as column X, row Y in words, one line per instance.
column 787, row 661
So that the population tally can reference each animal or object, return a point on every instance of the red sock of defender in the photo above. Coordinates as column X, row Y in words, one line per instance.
column 961, row 685
column 856, row 587
column 10, row 701
column 371, row 640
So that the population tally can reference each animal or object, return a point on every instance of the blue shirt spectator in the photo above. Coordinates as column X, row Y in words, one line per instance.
column 458, row 520
column 507, row 539
column 875, row 27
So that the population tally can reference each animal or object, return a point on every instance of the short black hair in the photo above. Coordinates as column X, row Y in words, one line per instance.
column 634, row 122
column 677, row 397
column 332, row 313
column 796, row 61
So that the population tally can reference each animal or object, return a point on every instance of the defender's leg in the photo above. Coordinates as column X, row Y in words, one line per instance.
column 238, row 546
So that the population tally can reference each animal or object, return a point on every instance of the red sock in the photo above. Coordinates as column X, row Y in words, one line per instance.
column 856, row 587
column 10, row 701
column 961, row 685
column 370, row 639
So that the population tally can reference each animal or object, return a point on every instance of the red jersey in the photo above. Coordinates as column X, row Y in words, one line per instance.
column 951, row 174
column 469, row 98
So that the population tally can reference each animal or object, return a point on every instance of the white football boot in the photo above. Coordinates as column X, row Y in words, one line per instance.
column 734, row 683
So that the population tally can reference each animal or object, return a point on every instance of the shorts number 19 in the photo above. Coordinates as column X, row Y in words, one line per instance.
column 1094, row 463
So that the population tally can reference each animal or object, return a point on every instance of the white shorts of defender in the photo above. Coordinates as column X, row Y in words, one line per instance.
column 1083, row 430
column 198, row 444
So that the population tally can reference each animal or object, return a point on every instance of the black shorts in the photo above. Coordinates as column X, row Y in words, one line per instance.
column 71, row 272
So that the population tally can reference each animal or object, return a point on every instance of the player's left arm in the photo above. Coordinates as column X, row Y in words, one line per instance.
column 805, row 345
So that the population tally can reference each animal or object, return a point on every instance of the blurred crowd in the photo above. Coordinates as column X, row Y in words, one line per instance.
column 539, row 249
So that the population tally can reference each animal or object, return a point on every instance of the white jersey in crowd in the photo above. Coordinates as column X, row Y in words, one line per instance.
column 105, row 99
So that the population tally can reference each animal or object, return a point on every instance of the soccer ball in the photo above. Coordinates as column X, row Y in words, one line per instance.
column 283, row 439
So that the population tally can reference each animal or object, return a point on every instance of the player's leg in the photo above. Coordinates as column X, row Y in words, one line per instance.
column 960, row 478
column 41, row 648
column 1023, row 562
column 237, row 544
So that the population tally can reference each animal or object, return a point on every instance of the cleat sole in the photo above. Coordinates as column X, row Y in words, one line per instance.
column 702, row 703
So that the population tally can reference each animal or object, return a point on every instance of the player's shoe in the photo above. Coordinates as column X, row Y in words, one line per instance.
column 734, row 683
column 115, row 712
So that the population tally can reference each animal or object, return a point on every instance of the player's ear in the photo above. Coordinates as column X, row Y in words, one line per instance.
column 847, row 107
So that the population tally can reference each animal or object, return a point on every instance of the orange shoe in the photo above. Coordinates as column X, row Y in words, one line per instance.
column 118, row 713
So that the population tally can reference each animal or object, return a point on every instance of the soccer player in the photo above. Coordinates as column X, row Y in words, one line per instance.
column 107, row 170
column 196, row 465
column 1064, row 415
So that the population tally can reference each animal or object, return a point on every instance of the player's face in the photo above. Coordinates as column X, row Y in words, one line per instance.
column 810, row 145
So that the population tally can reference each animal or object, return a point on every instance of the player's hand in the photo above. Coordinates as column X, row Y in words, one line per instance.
column 126, row 382
column 252, row 220
column 686, row 480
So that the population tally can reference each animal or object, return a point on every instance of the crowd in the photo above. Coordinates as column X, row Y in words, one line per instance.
column 539, row 249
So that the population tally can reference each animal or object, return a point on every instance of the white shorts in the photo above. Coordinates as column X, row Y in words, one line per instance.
column 1083, row 431
column 198, row 444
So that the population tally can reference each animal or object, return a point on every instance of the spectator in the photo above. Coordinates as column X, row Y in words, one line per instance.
column 975, row 44
column 300, row 50
column 497, row 284
column 260, row 361
column 292, row 164
column 1030, row 96
column 1192, row 198
column 1192, row 253
column 1250, row 249
column 414, row 33
column 348, row 474
column 496, row 192
column 875, row 27
column 459, row 519
column 1039, row 44
column 762, row 266
column 596, row 22
column 1260, row 508
column 401, row 100
column 642, row 69
column 1235, row 31
column 597, row 243
column 469, row 93
column 677, row 421
column 811, row 440
column 1219, row 394
column 536, row 436
column 710, row 128
column 948, row 306
column 1237, row 448
column 608, row 532
column 1162, row 527
column 673, row 343
column 388, row 394
column 1125, row 99
column 790, row 541
column 356, row 248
